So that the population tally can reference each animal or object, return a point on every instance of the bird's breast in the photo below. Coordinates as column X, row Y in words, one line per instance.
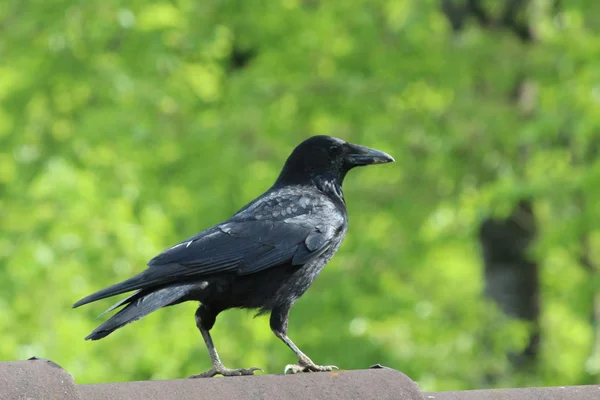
column 299, row 282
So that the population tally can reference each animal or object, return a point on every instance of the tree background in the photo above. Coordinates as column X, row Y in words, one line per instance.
column 128, row 126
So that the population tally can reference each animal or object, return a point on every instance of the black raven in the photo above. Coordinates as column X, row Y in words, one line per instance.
column 264, row 257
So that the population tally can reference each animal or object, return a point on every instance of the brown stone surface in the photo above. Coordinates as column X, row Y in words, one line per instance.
column 379, row 384
column 39, row 379
column 36, row 379
column 591, row 392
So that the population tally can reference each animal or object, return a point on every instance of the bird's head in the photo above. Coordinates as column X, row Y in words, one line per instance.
column 326, row 160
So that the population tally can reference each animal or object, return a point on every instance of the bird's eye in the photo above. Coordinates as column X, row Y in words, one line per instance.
column 335, row 150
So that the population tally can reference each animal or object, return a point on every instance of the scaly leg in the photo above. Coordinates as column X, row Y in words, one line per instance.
column 279, row 320
column 205, row 319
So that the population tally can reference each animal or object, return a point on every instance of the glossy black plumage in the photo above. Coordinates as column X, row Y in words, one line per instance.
column 264, row 257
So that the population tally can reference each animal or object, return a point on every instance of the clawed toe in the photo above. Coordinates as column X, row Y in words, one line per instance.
column 226, row 372
column 297, row 368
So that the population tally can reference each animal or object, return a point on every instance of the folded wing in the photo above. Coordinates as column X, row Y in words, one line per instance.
column 235, row 247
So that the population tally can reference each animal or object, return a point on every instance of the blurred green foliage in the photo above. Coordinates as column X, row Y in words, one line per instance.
column 128, row 126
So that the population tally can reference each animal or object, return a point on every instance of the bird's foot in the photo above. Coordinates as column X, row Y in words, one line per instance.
column 222, row 370
column 307, row 366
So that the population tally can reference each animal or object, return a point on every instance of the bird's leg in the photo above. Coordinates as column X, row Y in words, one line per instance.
column 279, row 320
column 205, row 319
column 305, row 364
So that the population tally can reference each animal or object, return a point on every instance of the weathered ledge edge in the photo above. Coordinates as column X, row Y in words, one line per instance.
column 43, row 379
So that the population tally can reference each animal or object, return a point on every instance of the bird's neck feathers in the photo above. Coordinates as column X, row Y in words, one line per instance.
column 329, row 185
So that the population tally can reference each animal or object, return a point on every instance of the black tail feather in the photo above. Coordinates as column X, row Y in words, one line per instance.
column 136, row 282
column 151, row 277
column 139, row 305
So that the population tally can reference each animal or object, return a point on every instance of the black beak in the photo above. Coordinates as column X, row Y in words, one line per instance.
column 361, row 155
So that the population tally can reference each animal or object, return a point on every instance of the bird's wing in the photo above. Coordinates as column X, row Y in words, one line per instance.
column 245, row 247
column 287, row 243
column 266, row 235
column 283, row 226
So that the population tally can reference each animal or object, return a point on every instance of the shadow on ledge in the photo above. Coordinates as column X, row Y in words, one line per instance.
column 38, row 379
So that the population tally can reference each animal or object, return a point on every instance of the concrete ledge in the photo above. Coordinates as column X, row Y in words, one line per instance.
column 351, row 385
column 38, row 379
column 551, row 393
